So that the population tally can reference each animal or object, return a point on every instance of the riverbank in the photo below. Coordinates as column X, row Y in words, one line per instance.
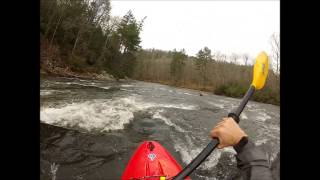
column 66, row 72
column 233, row 90
column 229, row 90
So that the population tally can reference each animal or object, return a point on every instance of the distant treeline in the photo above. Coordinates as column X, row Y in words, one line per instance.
column 207, row 71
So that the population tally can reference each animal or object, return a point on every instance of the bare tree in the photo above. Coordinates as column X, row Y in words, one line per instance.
column 223, row 57
column 218, row 56
column 275, row 44
column 234, row 57
column 245, row 58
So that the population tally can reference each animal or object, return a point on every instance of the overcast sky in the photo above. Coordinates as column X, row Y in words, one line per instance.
column 225, row 26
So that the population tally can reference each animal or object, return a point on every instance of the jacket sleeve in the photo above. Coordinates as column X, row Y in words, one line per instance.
column 252, row 162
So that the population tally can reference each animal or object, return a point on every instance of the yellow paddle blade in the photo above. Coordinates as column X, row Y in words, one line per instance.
column 260, row 70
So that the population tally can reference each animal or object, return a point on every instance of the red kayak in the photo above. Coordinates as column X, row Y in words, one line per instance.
column 151, row 161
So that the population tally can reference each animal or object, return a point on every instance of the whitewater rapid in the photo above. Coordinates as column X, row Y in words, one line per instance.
column 134, row 111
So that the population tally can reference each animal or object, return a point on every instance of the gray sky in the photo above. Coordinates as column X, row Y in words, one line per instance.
column 225, row 26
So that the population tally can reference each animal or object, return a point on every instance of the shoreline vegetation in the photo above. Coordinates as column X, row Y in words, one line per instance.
column 205, row 72
column 222, row 91
column 82, row 40
column 262, row 98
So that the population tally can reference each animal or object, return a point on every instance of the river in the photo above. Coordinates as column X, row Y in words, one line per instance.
column 90, row 128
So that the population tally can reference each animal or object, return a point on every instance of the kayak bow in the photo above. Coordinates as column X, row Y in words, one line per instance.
column 151, row 161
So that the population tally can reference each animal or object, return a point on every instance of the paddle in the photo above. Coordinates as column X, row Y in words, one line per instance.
column 260, row 72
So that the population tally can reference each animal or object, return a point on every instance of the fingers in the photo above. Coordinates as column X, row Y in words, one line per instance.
column 220, row 129
column 215, row 132
column 226, row 119
column 222, row 121
column 220, row 146
column 219, row 123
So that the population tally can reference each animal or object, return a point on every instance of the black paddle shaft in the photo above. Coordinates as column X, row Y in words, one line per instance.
column 214, row 142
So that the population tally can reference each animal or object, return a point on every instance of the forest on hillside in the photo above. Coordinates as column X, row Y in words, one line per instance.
column 81, row 37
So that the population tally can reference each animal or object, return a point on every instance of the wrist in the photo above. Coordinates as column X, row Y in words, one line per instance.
column 240, row 145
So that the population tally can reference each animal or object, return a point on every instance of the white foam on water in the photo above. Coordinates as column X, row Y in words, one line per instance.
column 101, row 115
column 206, row 178
column 224, row 101
column 70, row 78
column 188, row 151
column 243, row 116
column 92, row 84
column 274, row 127
column 178, row 106
column 126, row 85
column 126, row 90
column 140, row 104
column 251, row 105
column 53, row 170
column 229, row 150
column 74, row 83
column 213, row 159
column 256, row 109
column 49, row 92
column 184, row 93
column 157, row 115
column 106, row 87
column 260, row 142
column 221, row 106
column 262, row 116
column 45, row 92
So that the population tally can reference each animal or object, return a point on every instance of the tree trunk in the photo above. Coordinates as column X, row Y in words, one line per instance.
column 75, row 43
column 278, row 64
column 48, row 25
column 55, row 30
column 204, row 77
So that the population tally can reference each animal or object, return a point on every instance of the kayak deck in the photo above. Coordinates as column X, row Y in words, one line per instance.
column 151, row 161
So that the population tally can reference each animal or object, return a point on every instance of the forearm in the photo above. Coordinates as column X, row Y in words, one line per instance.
column 252, row 162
